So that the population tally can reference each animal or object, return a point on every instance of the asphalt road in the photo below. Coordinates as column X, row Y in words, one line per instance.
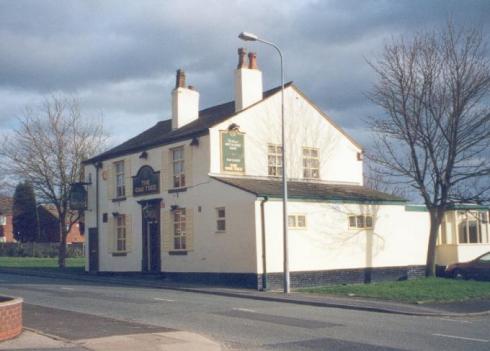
column 89, row 309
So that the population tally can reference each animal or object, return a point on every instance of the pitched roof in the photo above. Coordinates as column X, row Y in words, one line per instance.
column 309, row 190
column 6, row 204
column 162, row 133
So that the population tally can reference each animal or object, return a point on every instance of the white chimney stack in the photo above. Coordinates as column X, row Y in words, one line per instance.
column 248, row 81
column 185, row 102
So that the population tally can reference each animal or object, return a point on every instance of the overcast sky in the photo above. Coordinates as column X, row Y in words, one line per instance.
column 120, row 57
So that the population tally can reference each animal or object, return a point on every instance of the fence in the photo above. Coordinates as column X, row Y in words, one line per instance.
column 39, row 249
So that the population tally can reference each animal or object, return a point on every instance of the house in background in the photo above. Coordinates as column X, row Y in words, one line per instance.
column 50, row 230
column 48, row 223
column 6, row 231
column 198, row 197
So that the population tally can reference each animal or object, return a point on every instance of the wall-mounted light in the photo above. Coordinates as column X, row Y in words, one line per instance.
column 144, row 155
column 233, row 126
column 195, row 141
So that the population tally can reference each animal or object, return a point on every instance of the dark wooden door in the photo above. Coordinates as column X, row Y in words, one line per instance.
column 93, row 249
column 154, row 239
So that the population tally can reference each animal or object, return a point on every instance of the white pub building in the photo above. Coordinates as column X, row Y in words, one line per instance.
column 198, row 197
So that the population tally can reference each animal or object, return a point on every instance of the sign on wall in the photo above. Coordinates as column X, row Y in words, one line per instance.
column 146, row 181
column 232, row 151
column 78, row 197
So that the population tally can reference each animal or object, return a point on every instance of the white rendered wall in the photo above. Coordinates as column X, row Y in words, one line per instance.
column 305, row 126
column 399, row 238
column 231, row 251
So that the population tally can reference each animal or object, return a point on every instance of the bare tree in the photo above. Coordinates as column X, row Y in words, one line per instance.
column 375, row 179
column 47, row 150
column 435, row 133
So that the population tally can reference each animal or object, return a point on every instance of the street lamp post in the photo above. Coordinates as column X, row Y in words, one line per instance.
column 252, row 37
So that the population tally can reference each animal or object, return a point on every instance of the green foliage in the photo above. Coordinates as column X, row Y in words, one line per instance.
column 25, row 219
column 37, row 263
column 413, row 291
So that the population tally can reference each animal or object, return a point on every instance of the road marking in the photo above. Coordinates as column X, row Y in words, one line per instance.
column 65, row 288
column 460, row 337
column 455, row 320
column 166, row 300
column 243, row 309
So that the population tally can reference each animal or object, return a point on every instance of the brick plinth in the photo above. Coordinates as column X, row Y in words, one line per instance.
column 10, row 317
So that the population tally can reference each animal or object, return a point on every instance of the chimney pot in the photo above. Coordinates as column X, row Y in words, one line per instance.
column 241, row 58
column 252, row 60
column 180, row 79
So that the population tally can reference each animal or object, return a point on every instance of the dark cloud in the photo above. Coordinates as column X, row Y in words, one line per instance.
column 120, row 56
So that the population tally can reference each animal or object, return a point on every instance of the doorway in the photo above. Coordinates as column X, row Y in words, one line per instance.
column 151, row 258
column 93, row 250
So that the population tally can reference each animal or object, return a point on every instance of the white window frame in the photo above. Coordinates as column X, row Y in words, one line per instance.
column 220, row 219
column 178, row 177
column 179, row 230
column 360, row 220
column 119, row 184
column 274, row 160
column 295, row 217
column 120, row 228
column 311, row 163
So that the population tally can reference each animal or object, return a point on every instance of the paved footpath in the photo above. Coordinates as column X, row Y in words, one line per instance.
column 74, row 331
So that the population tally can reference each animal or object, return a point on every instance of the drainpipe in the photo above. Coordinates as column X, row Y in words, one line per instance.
column 265, row 282
column 97, row 165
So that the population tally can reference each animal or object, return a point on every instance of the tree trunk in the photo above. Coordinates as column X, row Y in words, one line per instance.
column 435, row 222
column 62, row 247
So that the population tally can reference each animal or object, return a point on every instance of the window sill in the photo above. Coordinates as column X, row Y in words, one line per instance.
column 178, row 253
column 177, row 190
column 119, row 254
column 118, row 199
column 220, row 232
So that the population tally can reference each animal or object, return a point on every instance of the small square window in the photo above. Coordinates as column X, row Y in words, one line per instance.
column 360, row 222
column 352, row 221
column 297, row 221
column 301, row 221
column 369, row 222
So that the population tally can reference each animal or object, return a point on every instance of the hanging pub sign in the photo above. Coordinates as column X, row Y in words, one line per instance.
column 146, row 181
column 232, row 151
column 78, row 197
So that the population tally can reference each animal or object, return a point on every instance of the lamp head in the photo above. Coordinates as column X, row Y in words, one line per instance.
column 248, row 36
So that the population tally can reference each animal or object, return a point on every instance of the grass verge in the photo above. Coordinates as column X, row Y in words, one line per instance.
column 72, row 264
column 421, row 290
